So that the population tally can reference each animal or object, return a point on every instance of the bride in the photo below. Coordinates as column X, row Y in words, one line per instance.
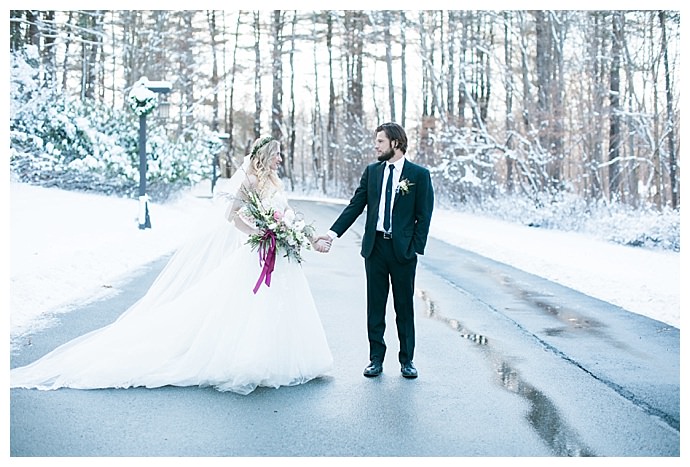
column 206, row 320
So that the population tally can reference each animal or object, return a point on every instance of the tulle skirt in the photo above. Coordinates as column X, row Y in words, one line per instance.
column 200, row 324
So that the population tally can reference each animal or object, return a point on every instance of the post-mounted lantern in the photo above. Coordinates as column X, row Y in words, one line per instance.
column 143, row 99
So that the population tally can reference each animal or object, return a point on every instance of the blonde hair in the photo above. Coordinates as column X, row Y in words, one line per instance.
column 263, row 150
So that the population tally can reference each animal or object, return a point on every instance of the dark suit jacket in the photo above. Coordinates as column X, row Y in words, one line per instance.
column 411, row 214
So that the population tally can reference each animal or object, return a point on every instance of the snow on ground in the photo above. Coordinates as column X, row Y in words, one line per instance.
column 67, row 248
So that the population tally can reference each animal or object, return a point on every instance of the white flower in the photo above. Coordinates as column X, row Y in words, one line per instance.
column 289, row 217
column 404, row 186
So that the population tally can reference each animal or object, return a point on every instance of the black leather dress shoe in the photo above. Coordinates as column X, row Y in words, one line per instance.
column 408, row 370
column 374, row 369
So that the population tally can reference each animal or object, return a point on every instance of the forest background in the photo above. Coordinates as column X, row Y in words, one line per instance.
column 565, row 119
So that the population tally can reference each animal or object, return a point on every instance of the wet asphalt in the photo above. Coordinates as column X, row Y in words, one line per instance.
column 510, row 365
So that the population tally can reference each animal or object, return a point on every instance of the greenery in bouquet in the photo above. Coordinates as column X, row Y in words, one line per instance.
column 286, row 230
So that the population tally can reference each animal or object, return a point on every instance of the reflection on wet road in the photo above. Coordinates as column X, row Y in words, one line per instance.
column 543, row 415
column 573, row 323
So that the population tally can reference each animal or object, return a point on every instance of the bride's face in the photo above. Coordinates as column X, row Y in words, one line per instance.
column 275, row 160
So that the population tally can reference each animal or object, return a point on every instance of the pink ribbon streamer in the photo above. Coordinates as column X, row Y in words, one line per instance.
column 267, row 258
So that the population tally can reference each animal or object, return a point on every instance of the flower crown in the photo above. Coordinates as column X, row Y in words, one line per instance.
column 263, row 142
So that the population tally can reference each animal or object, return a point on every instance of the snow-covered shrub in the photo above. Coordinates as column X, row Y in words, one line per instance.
column 60, row 141
column 643, row 226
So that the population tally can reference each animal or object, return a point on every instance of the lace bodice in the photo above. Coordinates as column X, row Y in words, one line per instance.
column 278, row 201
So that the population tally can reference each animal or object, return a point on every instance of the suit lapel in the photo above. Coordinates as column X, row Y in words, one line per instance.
column 379, row 179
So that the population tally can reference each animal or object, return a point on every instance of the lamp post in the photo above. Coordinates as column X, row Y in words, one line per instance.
column 143, row 100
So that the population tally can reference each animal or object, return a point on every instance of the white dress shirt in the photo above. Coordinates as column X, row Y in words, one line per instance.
column 397, row 171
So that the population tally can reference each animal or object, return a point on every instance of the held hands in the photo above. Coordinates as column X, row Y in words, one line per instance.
column 322, row 243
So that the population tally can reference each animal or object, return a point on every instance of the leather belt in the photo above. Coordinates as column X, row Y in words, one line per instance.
column 384, row 235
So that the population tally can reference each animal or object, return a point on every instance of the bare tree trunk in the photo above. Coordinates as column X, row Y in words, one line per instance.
column 526, row 84
column 33, row 36
column 233, row 74
column 92, row 23
column 16, row 39
column 428, row 125
column 596, row 136
column 439, row 21
column 186, row 71
column 95, row 52
column 559, row 22
column 156, row 53
column 277, row 67
column 550, row 36
column 452, row 31
column 389, row 62
column 316, row 165
column 355, row 109
column 403, row 68
column 431, row 84
column 290, row 163
column 657, row 130
column 215, row 85
column 332, row 132
column 543, row 66
column 129, row 21
column 615, row 113
column 510, row 123
column 48, row 52
column 633, row 165
column 424, row 52
column 213, row 30
column 482, row 92
column 257, row 74
column 225, row 157
column 462, row 78
column 670, row 125
column 113, row 71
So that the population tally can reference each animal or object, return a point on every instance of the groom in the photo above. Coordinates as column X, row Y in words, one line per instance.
column 399, row 199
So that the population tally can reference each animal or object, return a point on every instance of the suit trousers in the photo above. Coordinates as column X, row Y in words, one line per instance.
column 383, row 270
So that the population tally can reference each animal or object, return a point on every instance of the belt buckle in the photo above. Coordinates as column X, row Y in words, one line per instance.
column 387, row 235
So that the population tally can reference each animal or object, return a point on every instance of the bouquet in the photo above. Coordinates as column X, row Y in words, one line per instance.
column 280, row 232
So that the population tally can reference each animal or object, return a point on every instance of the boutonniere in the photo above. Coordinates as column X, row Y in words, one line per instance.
column 404, row 186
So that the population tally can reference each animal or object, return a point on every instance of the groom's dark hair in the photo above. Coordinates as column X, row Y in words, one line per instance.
column 394, row 132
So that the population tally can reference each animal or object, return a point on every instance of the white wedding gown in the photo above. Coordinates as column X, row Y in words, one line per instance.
column 200, row 324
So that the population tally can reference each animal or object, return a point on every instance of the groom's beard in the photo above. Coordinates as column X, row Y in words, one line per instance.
column 386, row 155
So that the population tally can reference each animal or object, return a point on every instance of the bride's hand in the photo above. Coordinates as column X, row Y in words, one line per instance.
column 244, row 224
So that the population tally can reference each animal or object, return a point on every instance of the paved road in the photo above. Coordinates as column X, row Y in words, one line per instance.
column 510, row 365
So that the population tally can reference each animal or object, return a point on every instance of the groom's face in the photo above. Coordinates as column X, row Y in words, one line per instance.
column 383, row 147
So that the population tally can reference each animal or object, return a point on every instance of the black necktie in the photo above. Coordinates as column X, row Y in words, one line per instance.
column 389, row 194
